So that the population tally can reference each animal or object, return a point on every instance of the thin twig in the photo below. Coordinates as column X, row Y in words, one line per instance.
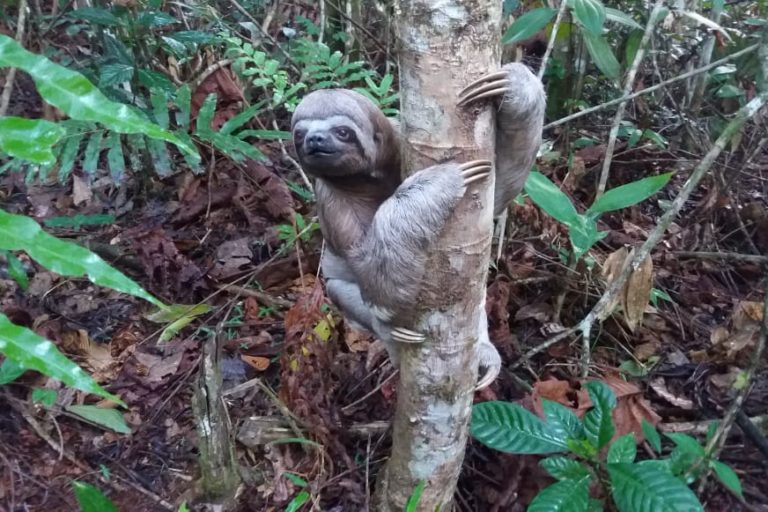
column 600, row 310
column 628, row 84
column 5, row 99
column 552, row 38
column 656, row 87
column 542, row 346
column 746, row 258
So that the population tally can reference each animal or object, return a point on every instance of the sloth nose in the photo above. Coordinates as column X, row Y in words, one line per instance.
column 316, row 141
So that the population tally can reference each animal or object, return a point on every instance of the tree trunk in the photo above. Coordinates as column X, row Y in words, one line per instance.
column 444, row 45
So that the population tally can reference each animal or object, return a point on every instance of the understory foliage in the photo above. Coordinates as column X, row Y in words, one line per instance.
column 143, row 92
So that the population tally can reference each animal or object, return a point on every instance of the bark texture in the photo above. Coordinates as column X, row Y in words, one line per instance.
column 443, row 46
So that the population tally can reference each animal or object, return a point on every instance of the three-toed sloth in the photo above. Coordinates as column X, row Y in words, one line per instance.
column 378, row 227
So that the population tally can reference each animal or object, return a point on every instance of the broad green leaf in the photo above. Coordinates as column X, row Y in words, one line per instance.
column 686, row 443
column 618, row 16
column 296, row 479
column 75, row 222
column 296, row 503
column 240, row 119
column 115, row 157
column 590, row 14
column 159, row 108
column 109, row 418
column 44, row 396
column 564, row 468
column 729, row 91
column 156, row 80
column 598, row 423
column 584, row 235
column 728, row 477
column 68, row 155
column 29, row 139
column 510, row 428
column 563, row 496
column 155, row 19
column 16, row 269
column 562, row 420
column 629, row 194
column 117, row 73
column 265, row 134
column 183, row 97
column 649, row 487
column 18, row 232
column 161, row 160
column 205, row 116
column 656, row 138
column 528, row 24
column 551, row 199
column 624, row 449
column 651, row 435
column 711, row 430
column 95, row 15
column 77, row 97
column 34, row 352
column 631, row 47
column 10, row 370
column 602, row 55
column 415, row 497
column 91, row 499
column 92, row 152
column 193, row 37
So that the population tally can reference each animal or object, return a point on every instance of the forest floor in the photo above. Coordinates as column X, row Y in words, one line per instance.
column 185, row 237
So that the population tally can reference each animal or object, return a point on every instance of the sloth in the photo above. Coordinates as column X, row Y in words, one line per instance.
column 378, row 227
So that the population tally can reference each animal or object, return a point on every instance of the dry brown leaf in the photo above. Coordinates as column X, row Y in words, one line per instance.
column 356, row 340
column 645, row 350
column 612, row 267
column 257, row 362
column 637, row 292
column 554, row 390
column 659, row 385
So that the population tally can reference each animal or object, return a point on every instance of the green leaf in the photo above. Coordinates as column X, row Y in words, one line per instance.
column 10, row 370
column 68, row 154
column 562, row 420
column 77, row 97
column 29, row 139
column 205, row 116
column 265, row 134
column 153, row 19
column 161, row 160
column 18, row 232
column 551, row 199
column 510, row 428
column 563, row 496
column 47, row 397
column 16, row 269
column 598, row 423
column 183, row 98
column 528, row 24
column 296, row 503
column 629, row 194
column 117, row 73
column 95, row 15
column 651, row 435
column 193, row 37
column 296, row 479
column 92, row 152
column 590, row 14
column 618, row 16
column 34, row 352
column 686, row 443
column 631, row 47
column 415, row 497
column 115, row 157
column 240, row 119
column 602, row 55
column 649, row 487
column 728, row 477
column 624, row 449
column 91, row 499
column 159, row 108
column 729, row 91
column 564, row 468
column 109, row 418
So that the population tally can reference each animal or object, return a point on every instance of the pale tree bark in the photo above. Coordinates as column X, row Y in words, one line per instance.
column 444, row 45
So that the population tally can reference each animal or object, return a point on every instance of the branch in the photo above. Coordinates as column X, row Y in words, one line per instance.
column 11, row 76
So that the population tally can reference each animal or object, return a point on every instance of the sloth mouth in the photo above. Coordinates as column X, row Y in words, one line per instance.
column 321, row 153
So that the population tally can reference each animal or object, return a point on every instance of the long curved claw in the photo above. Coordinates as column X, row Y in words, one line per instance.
column 475, row 170
column 403, row 335
column 493, row 84
column 490, row 365
column 488, row 377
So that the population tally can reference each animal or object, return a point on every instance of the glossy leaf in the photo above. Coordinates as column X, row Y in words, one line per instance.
column 590, row 14
column 728, row 477
column 34, row 352
column 618, row 16
column 16, row 269
column 115, row 157
column 562, row 420
column 686, row 443
column 602, row 55
column 651, row 435
column 77, row 97
column 44, row 396
column 415, row 497
column 10, row 370
column 551, row 199
column 563, row 496
column 649, row 487
column 108, row 418
column 598, row 423
column 564, row 468
column 629, row 194
column 95, row 15
column 510, row 428
column 29, row 139
column 68, row 155
column 18, row 232
column 624, row 449
column 528, row 24
column 91, row 499
column 295, row 504
column 92, row 152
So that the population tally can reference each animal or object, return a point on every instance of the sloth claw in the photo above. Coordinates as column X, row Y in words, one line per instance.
column 490, row 365
column 475, row 170
column 404, row 335
column 493, row 84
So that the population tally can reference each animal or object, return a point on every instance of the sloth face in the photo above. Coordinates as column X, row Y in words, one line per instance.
column 330, row 147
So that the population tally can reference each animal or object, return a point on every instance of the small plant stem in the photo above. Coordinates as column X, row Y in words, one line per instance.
column 656, row 87
column 700, row 82
column 552, row 37
column 5, row 99
column 627, row 89
column 600, row 310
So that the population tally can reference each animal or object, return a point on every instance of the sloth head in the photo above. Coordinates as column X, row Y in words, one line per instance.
column 340, row 133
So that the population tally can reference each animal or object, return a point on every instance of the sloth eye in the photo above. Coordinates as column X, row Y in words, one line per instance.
column 298, row 134
column 343, row 133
